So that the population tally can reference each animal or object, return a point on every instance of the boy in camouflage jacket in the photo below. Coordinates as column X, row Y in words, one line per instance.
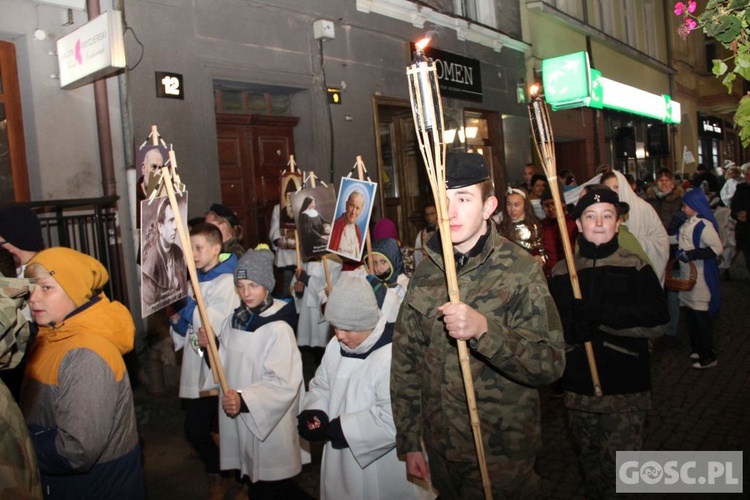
column 515, row 339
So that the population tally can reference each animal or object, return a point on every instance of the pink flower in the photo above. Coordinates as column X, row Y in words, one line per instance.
column 679, row 8
column 686, row 27
column 691, row 6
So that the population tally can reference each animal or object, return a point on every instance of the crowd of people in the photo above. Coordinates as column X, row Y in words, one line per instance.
column 387, row 401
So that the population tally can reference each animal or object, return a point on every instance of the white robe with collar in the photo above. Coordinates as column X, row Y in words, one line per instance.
column 358, row 392
column 266, row 366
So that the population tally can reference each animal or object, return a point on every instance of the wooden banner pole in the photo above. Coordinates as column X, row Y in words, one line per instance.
column 368, row 241
column 216, row 368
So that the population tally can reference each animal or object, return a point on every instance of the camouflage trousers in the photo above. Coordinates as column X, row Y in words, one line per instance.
column 598, row 436
column 461, row 480
column 19, row 474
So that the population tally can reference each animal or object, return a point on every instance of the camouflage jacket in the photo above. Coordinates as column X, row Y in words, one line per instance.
column 522, row 349
column 19, row 475
column 14, row 329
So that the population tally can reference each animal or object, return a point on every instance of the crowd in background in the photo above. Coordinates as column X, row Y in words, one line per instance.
column 668, row 237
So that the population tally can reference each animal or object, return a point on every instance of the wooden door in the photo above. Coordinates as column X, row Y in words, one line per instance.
column 253, row 150
column 14, row 178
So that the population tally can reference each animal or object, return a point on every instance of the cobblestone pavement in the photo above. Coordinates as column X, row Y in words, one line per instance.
column 692, row 410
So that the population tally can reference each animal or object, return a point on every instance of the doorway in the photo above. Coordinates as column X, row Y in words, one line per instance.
column 253, row 151
column 404, row 185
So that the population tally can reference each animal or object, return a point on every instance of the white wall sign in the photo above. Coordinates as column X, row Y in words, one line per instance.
column 93, row 51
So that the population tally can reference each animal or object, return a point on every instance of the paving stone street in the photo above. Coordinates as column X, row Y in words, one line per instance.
column 692, row 410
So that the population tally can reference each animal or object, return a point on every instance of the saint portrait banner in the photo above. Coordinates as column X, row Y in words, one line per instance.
column 353, row 210
column 163, row 270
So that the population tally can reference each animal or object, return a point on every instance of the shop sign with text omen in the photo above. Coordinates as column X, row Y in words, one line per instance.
column 458, row 76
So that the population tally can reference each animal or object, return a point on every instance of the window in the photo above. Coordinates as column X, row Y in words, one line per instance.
column 652, row 47
column 481, row 11
column 708, row 152
column 248, row 101
column 630, row 22
column 573, row 8
column 605, row 16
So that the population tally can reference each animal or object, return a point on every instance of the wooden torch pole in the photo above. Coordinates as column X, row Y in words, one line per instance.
column 427, row 110
column 545, row 147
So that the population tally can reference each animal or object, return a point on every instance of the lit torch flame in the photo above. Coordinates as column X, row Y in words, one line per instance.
column 419, row 47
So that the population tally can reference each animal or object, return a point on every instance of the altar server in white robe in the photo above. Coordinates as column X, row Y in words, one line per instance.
column 348, row 403
column 264, row 372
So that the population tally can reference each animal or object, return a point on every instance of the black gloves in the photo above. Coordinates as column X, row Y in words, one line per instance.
column 578, row 333
column 334, row 431
column 585, row 321
column 321, row 429
column 304, row 277
column 678, row 219
column 585, row 311
column 312, row 425
column 696, row 254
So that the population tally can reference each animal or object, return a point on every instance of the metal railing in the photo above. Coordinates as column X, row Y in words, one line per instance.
column 90, row 226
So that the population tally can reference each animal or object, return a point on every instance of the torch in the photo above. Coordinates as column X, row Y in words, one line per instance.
column 541, row 128
column 427, row 110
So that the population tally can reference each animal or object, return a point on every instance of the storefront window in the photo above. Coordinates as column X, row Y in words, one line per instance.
column 464, row 130
column 708, row 152
column 388, row 174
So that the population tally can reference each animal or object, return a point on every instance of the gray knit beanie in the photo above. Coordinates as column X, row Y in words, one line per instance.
column 352, row 305
column 256, row 265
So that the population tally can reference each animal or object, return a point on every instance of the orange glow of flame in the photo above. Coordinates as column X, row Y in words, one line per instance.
column 420, row 45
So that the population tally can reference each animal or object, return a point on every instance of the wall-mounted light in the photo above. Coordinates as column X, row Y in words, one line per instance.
column 41, row 35
column 471, row 132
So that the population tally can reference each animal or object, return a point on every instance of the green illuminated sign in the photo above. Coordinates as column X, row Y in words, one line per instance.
column 569, row 82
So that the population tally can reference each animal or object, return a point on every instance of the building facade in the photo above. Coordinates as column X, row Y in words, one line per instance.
column 254, row 80
column 628, row 42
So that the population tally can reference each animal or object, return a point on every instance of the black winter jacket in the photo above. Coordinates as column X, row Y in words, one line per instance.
column 630, row 307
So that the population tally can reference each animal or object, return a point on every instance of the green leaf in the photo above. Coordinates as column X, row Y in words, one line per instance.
column 728, row 81
column 742, row 120
column 720, row 67
column 738, row 4
column 742, row 60
column 743, row 70
column 728, row 29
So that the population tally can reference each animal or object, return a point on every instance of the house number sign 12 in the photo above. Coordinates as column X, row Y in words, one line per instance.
column 169, row 85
